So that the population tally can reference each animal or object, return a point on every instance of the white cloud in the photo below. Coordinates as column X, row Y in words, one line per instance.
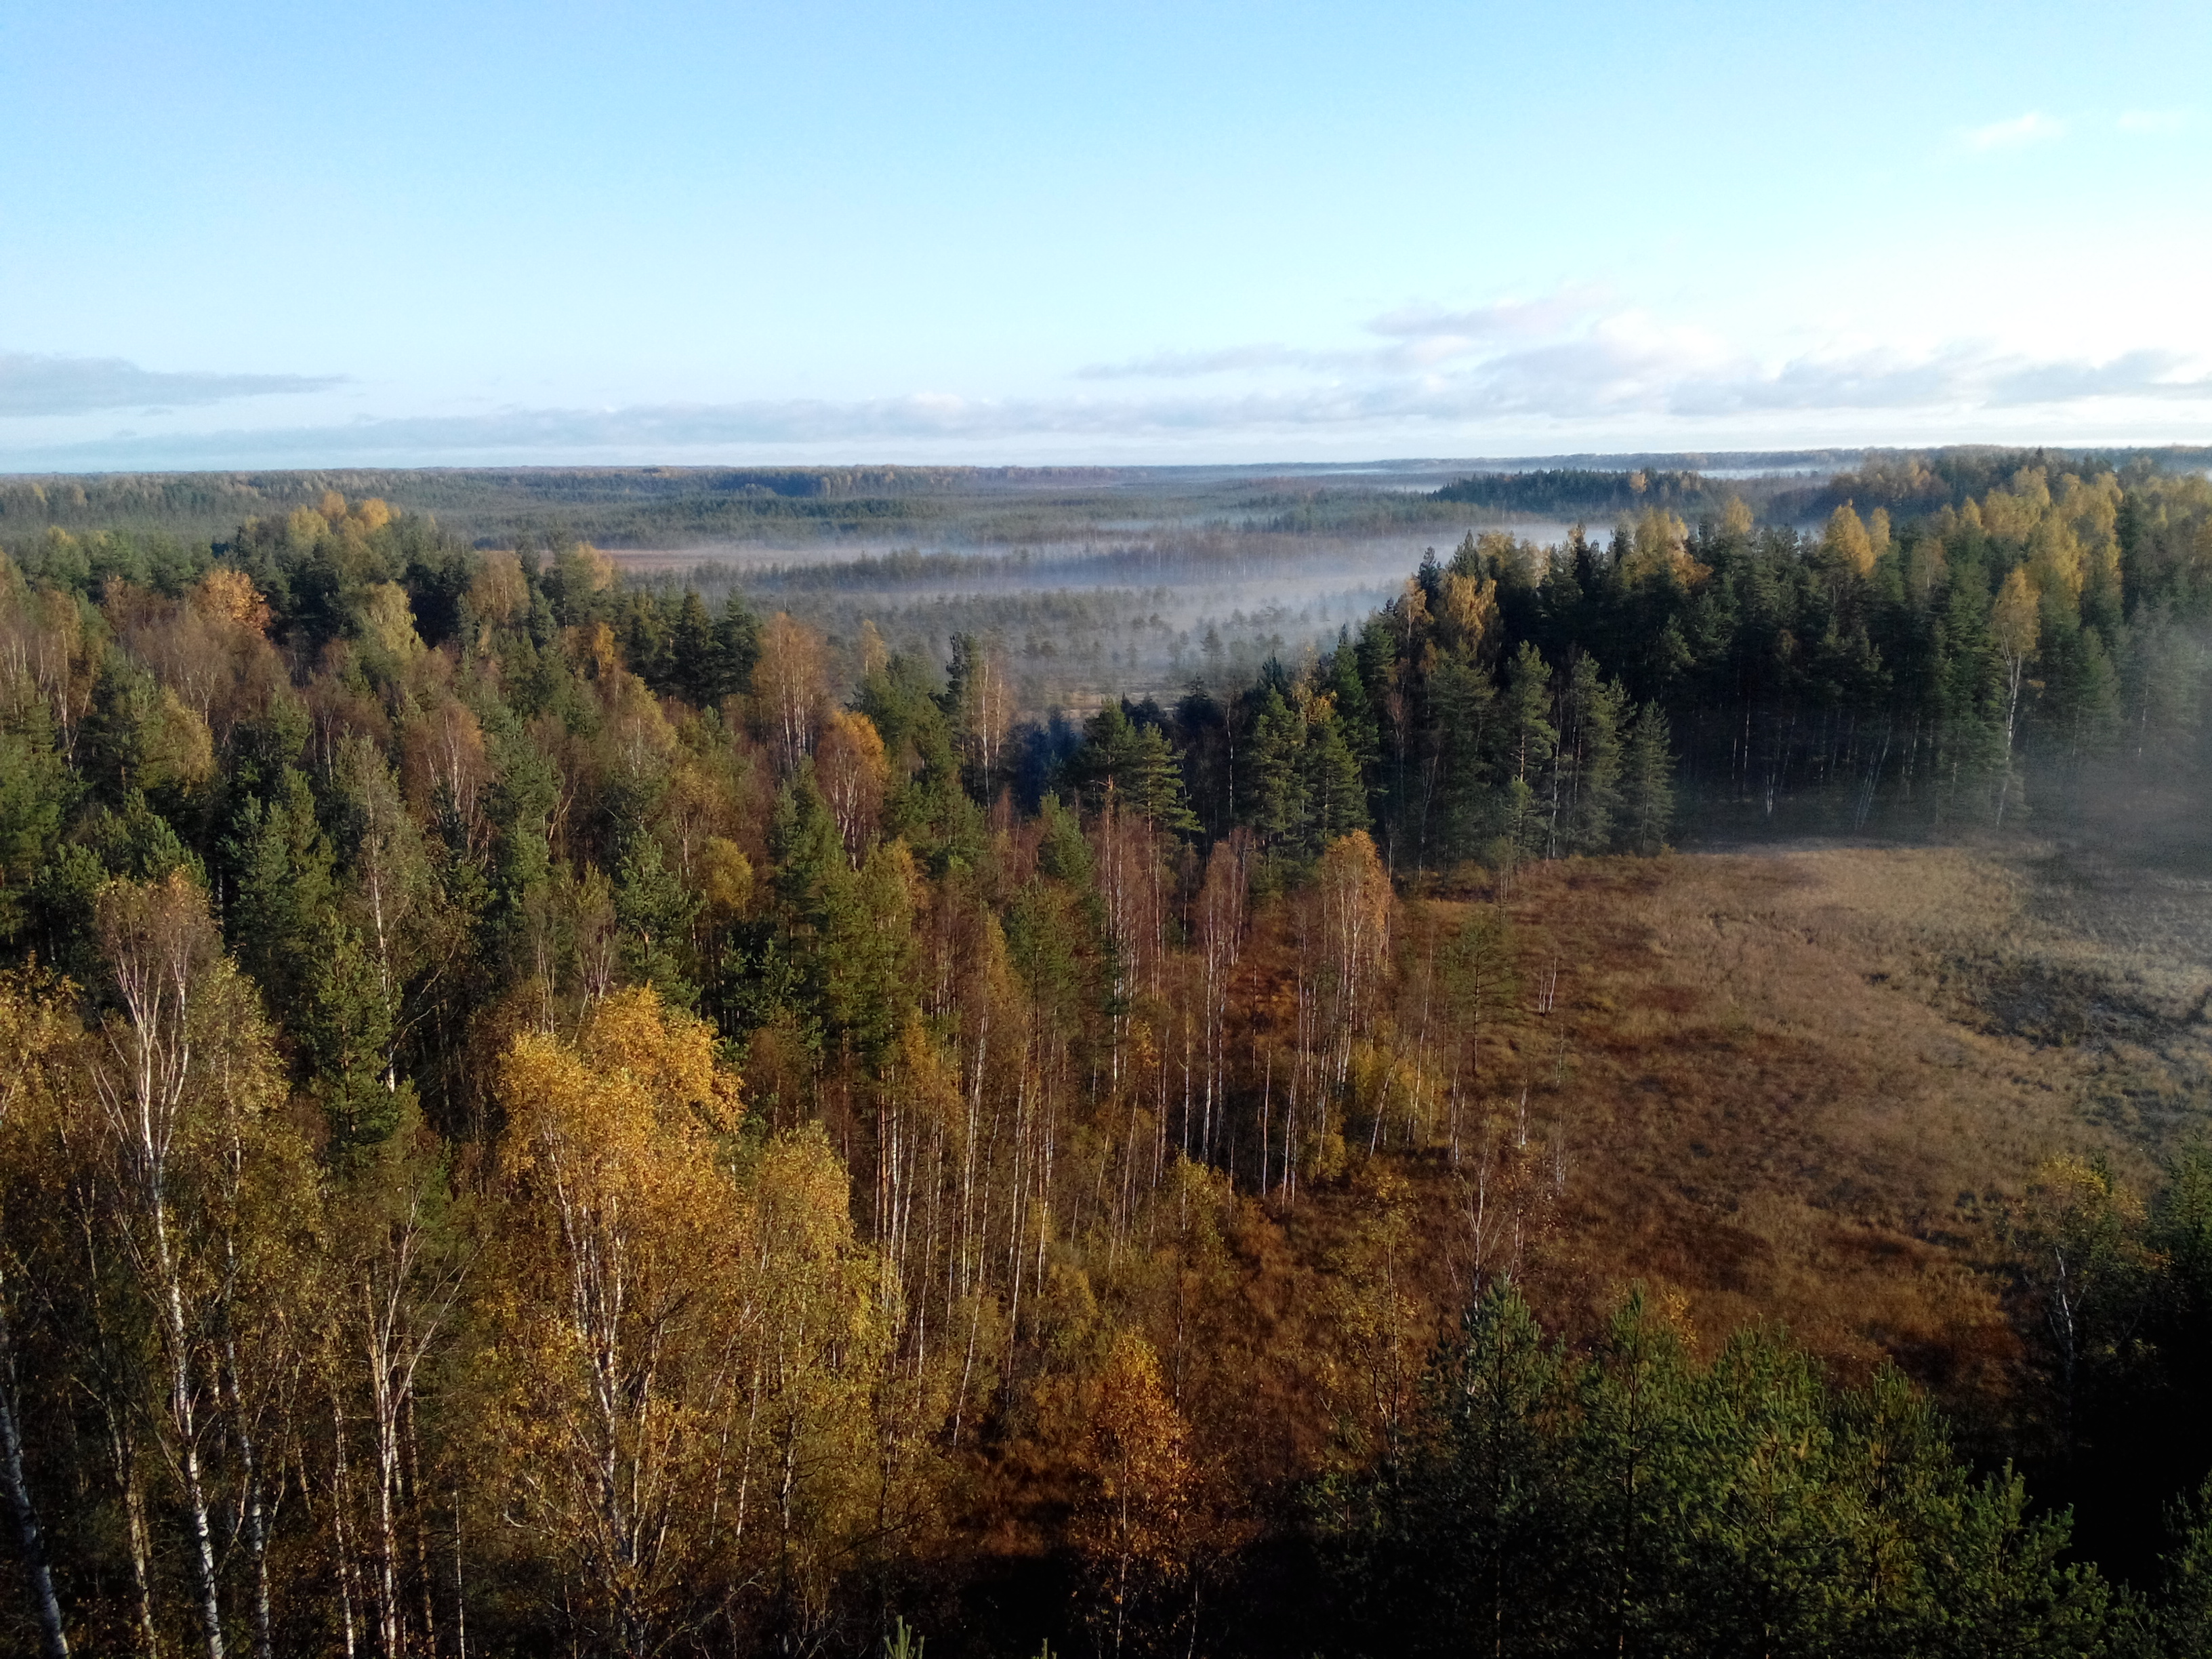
column 1418, row 336
column 33, row 386
column 1620, row 369
column 1501, row 320
column 2033, row 128
column 1431, row 380
column 1564, row 359
column 1187, row 365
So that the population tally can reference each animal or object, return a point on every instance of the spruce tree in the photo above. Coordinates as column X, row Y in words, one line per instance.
column 654, row 911
column 1525, row 741
column 1586, row 772
column 1274, row 777
column 1647, row 785
column 1335, row 796
column 695, row 657
column 1458, row 805
column 276, row 919
column 344, row 1032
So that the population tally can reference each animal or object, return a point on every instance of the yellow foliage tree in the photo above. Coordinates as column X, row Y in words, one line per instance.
column 387, row 621
column 725, row 880
column 206, row 1195
column 690, row 1342
column 229, row 596
column 791, row 687
column 849, row 764
column 2078, row 1232
column 499, row 596
column 1846, row 541
column 1132, row 1523
column 1353, row 891
column 1382, row 1322
column 620, row 1213
column 1467, row 611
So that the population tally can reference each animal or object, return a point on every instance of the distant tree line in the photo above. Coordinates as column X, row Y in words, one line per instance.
column 1580, row 492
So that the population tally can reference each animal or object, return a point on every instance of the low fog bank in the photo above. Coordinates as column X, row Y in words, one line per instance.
column 1080, row 620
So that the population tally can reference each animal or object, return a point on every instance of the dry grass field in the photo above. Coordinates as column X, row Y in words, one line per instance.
column 1806, row 1087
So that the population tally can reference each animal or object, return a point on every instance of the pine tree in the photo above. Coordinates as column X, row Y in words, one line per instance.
column 654, row 911
column 37, row 790
column 696, row 671
column 1971, row 693
column 1463, row 700
column 1486, row 1509
column 1647, row 787
column 1526, row 741
column 1585, row 774
column 283, row 896
column 344, row 1033
column 868, row 955
column 1132, row 765
column 1275, row 780
column 1344, row 680
column 736, row 644
column 2182, row 1620
column 1634, row 1474
column 1156, row 791
column 1336, row 795
column 814, row 889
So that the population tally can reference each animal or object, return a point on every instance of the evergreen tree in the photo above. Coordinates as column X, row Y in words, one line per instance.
column 277, row 919
column 1526, row 741
column 737, row 641
column 1460, row 774
column 654, row 912
column 1498, row 1394
column 1585, row 774
column 1276, row 774
column 697, row 670
column 1132, row 765
column 1344, row 676
column 2182, row 1624
column 1336, row 797
column 37, row 792
column 1647, row 789
column 1643, row 1503
column 345, row 1036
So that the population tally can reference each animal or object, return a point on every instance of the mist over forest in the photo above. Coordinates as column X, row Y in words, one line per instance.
column 1552, row 1056
column 1102, row 580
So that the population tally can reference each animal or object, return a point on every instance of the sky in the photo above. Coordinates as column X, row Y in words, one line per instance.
column 243, row 234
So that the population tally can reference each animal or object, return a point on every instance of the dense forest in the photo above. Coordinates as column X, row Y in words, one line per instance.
column 541, row 1113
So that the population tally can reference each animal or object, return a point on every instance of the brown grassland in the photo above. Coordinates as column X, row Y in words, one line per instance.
column 1808, row 1087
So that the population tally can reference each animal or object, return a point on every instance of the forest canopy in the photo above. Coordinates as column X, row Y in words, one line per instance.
column 538, row 1109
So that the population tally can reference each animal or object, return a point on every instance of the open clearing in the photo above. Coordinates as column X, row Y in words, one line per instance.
column 1806, row 1086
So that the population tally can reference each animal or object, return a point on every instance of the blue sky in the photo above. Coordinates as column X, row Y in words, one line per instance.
column 263, row 234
